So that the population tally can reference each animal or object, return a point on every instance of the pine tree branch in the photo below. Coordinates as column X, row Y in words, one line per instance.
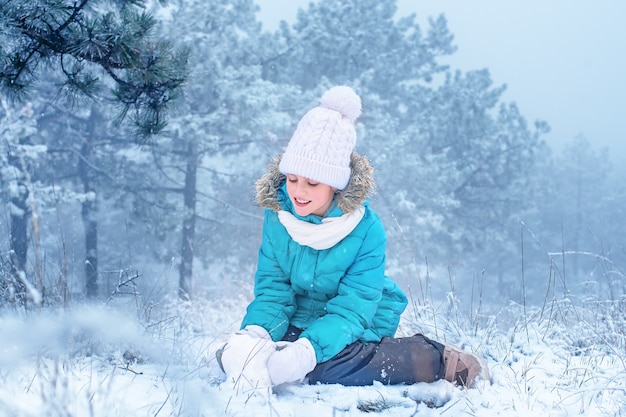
column 148, row 74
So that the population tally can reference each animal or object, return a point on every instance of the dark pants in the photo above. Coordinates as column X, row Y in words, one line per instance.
column 392, row 361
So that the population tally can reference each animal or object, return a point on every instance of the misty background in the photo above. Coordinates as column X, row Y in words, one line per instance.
column 496, row 192
column 559, row 60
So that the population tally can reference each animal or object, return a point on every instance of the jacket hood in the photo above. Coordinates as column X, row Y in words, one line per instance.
column 360, row 186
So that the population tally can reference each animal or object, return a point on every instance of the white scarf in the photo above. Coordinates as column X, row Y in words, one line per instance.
column 324, row 235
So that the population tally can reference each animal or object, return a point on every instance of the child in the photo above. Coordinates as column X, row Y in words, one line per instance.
column 324, row 311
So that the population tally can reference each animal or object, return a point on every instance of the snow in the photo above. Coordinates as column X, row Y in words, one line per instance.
column 141, row 359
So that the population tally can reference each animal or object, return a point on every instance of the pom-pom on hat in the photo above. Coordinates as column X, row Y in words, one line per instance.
column 321, row 146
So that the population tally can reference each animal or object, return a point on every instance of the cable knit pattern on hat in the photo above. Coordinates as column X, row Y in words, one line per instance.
column 321, row 146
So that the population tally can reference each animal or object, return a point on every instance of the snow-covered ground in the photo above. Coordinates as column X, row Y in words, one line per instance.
column 555, row 360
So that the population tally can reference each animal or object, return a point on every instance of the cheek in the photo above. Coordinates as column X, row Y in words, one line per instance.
column 290, row 189
column 324, row 196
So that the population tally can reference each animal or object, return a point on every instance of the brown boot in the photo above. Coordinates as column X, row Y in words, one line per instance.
column 463, row 368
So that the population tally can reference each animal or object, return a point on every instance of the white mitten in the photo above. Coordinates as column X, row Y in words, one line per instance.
column 257, row 331
column 244, row 358
column 291, row 361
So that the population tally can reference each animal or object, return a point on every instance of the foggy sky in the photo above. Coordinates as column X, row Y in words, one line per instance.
column 563, row 61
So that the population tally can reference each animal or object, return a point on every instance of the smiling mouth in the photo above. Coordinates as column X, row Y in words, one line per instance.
column 301, row 203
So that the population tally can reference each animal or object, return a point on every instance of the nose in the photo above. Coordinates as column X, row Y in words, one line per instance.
column 301, row 188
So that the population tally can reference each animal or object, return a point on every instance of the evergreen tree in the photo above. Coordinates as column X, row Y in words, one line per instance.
column 576, row 199
column 391, row 63
column 18, row 158
column 491, row 149
column 82, row 39
column 82, row 148
column 212, row 151
column 450, row 158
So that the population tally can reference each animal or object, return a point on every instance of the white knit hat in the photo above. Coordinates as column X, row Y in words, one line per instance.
column 321, row 146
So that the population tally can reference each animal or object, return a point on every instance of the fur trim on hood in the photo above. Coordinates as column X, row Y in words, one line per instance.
column 360, row 187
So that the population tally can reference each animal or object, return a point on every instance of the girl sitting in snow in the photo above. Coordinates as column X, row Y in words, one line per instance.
column 324, row 311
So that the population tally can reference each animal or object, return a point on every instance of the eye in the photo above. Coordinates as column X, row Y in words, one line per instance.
column 313, row 184
column 292, row 178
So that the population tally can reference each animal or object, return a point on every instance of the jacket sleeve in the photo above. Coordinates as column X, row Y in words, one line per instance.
column 274, row 298
column 352, row 310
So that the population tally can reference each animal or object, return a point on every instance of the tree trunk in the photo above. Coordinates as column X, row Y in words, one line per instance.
column 15, row 285
column 20, row 215
column 91, row 245
column 89, row 209
column 189, row 223
column 578, row 222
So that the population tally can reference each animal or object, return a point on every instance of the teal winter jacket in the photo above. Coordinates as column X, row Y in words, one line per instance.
column 337, row 295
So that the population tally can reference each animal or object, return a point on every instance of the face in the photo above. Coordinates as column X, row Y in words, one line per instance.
column 308, row 196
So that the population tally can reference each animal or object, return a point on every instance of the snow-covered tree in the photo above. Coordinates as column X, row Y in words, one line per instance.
column 18, row 155
column 81, row 166
column 491, row 150
column 450, row 157
column 346, row 41
column 95, row 52
column 214, row 147
column 579, row 191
